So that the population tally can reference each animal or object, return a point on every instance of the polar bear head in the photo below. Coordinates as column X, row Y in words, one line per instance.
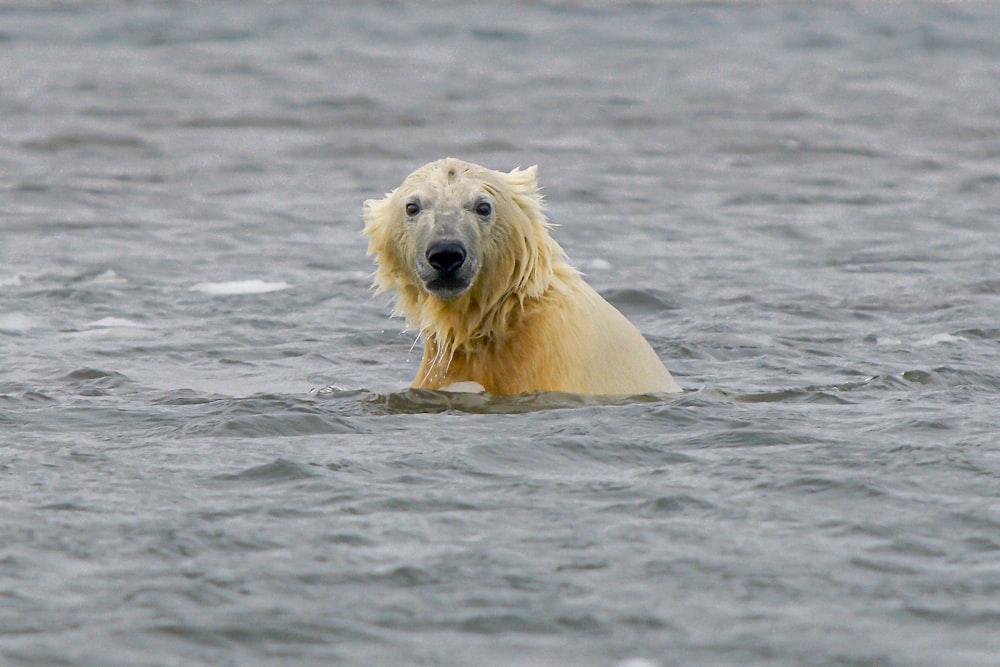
column 459, row 237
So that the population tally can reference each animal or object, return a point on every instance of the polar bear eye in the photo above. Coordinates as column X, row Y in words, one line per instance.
column 412, row 208
column 484, row 209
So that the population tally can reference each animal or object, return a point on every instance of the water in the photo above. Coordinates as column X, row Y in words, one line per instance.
column 207, row 452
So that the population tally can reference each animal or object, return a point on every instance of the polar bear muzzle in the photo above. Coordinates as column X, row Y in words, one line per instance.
column 447, row 254
column 446, row 259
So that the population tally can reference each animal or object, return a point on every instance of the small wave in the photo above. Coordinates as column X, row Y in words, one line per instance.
column 20, row 395
column 66, row 506
column 947, row 376
column 937, row 339
column 415, row 401
column 245, row 122
column 462, row 398
column 63, row 142
column 943, row 377
column 667, row 505
column 858, row 488
column 278, row 471
column 505, row 623
column 94, row 381
column 828, row 395
column 109, row 277
column 264, row 416
column 240, row 287
column 732, row 340
column 640, row 301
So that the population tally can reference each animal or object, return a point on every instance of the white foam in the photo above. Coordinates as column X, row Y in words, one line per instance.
column 937, row 339
column 114, row 333
column 239, row 287
column 598, row 264
column 114, row 328
column 638, row 662
column 887, row 341
column 10, row 281
column 330, row 390
column 109, row 277
column 15, row 323
column 116, row 322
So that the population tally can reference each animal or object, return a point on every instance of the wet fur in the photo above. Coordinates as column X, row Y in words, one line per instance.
column 528, row 322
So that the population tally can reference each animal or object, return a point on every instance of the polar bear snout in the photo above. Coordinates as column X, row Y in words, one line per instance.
column 446, row 257
column 447, row 268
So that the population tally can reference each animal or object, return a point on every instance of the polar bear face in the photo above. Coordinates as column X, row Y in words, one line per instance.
column 454, row 229
column 447, row 220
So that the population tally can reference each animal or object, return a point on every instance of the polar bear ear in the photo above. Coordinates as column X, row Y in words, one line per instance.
column 371, row 212
column 375, row 209
column 376, row 219
column 523, row 186
column 525, row 181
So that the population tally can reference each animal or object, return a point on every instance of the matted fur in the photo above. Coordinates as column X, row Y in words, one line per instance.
column 521, row 324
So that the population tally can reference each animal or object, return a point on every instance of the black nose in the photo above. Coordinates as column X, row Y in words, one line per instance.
column 446, row 256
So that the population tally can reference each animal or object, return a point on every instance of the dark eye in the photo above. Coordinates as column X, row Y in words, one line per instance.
column 484, row 209
column 412, row 208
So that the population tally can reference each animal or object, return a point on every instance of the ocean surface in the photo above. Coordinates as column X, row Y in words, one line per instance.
column 208, row 451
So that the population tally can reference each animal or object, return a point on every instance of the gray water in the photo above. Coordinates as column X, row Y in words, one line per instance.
column 208, row 454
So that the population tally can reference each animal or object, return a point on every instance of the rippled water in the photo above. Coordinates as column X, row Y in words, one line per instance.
column 207, row 451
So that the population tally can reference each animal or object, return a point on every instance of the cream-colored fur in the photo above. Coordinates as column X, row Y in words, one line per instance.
column 527, row 321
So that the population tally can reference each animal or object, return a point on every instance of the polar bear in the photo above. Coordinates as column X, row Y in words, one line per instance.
column 468, row 253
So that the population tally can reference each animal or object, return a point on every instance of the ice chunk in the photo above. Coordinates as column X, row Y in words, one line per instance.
column 15, row 323
column 238, row 287
column 466, row 387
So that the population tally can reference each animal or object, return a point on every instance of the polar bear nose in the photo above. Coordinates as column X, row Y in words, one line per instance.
column 446, row 256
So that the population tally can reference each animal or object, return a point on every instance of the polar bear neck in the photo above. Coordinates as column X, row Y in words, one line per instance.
column 472, row 326
column 520, row 269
